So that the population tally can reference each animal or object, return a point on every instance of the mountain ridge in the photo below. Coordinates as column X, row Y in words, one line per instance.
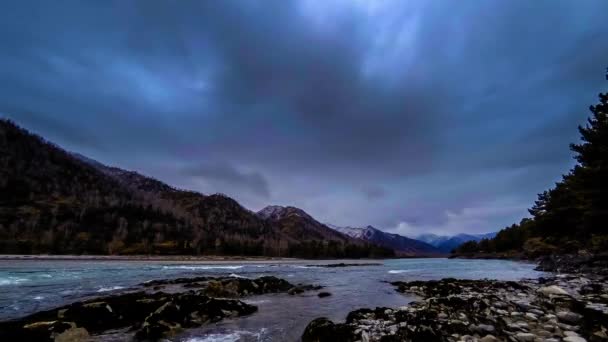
column 402, row 245
column 447, row 243
column 59, row 202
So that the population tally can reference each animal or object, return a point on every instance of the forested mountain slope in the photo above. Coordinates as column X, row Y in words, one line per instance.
column 53, row 201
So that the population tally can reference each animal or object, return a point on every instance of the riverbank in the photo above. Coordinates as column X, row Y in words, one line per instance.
column 179, row 258
column 196, row 258
column 562, row 308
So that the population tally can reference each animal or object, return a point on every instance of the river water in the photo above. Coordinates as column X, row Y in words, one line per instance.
column 27, row 286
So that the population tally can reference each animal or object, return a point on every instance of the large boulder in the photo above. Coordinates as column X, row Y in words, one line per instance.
column 324, row 330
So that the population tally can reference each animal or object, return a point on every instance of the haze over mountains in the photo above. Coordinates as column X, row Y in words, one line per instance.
column 402, row 245
column 446, row 243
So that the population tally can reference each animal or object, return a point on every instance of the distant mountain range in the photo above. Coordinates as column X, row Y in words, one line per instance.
column 402, row 245
column 447, row 243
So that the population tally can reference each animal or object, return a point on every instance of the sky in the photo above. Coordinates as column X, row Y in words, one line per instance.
column 411, row 116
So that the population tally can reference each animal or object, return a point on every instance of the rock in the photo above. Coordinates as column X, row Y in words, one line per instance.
column 525, row 337
column 574, row 339
column 73, row 335
column 569, row 317
column 152, row 314
column 552, row 290
column 324, row 294
column 324, row 330
column 485, row 310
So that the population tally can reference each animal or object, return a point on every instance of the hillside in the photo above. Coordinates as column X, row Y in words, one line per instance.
column 402, row 245
column 53, row 201
column 297, row 223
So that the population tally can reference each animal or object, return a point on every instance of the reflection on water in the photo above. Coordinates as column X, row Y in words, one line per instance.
column 28, row 286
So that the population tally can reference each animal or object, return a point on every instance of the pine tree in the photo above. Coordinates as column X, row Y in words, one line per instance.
column 589, row 178
column 577, row 207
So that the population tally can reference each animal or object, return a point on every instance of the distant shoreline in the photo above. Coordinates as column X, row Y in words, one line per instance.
column 171, row 258
column 179, row 258
column 186, row 258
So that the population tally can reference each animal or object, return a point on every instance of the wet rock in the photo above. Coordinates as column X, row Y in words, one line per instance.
column 475, row 310
column 303, row 288
column 552, row 290
column 73, row 335
column 152, row 315
column 569, row 317
column 324, row 330
column 324, row 294
column 525, row 337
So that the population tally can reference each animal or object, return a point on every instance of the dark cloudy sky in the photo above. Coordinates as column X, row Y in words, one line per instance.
column 413, row 116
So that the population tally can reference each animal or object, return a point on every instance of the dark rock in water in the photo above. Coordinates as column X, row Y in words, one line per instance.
column 151, row 315
column 233, row 287
column 324, row 294
column 324, row 330
column 303, row 288
column 189, row 311
column 159, row 282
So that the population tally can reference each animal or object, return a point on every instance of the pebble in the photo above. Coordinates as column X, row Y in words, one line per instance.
column 524, row 337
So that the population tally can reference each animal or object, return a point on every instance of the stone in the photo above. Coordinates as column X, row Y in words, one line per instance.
column 322, row 329
column 574, row 339
column 569, row 317
column 73, row 335
column 323, row 294
column 525, row 337
column 488, row 338
column 552, row 290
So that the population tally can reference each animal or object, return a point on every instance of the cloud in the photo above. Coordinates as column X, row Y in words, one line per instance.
column 359, row 112
column 223, row 176
column 374, row 192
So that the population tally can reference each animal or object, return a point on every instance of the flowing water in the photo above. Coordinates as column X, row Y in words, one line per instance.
column 27, row 286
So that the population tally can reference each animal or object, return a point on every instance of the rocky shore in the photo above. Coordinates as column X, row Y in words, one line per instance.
column 563, row 308
column 163, row 308
column 580, row 263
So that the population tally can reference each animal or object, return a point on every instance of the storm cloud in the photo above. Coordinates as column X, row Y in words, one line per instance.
column 411, row 116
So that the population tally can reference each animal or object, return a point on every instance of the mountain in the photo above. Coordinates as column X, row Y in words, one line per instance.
column 400, row 244
column 297, row 223
column 54, row 201
column 447, row 243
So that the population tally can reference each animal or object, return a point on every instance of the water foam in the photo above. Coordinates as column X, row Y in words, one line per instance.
column 399, row 271
column 111, row 288
column 12, row 281
column 202, row 267
column 233, row 336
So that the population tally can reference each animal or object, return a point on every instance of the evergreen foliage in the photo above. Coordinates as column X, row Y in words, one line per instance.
column 572, row 215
